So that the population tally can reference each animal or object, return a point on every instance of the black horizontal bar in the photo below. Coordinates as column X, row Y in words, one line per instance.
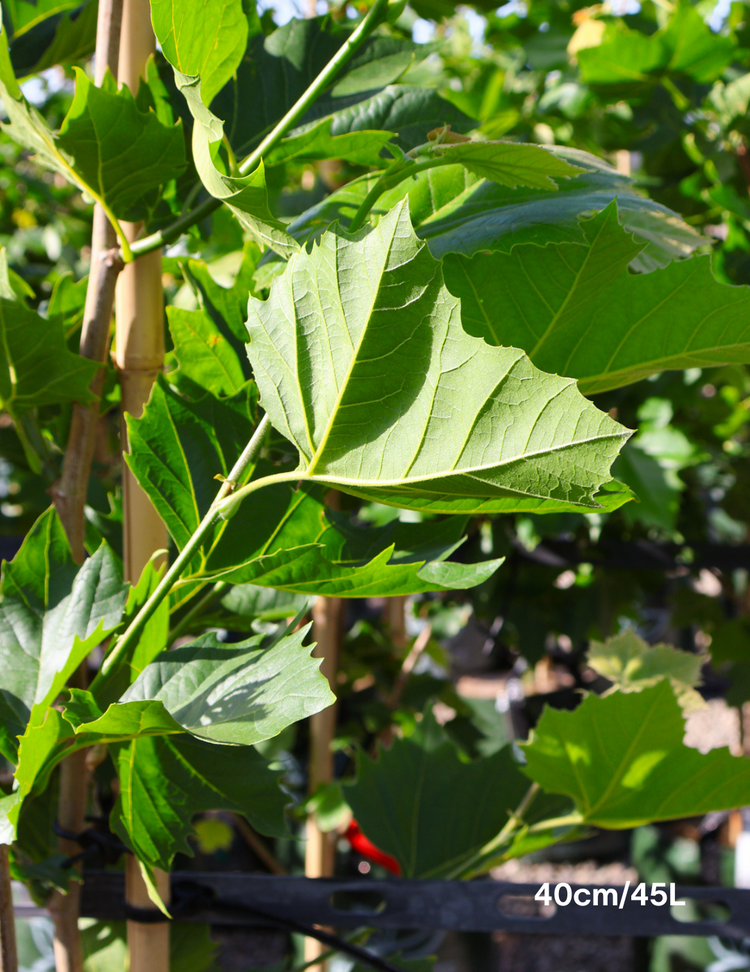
column 476, row 906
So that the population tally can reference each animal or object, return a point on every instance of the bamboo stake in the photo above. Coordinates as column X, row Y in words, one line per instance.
column 8, row 954
column 70, row 497
column 328, row 616
column 65, row 908
column 139, row 356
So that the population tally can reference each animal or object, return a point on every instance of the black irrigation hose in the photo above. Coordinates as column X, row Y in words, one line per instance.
column 191, row 898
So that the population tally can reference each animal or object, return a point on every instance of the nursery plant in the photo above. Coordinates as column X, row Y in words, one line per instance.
column 424, row 334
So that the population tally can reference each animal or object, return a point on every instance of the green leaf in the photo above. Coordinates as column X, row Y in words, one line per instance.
column 362, row 363
column 179, row 446
column 407, row 111
column 289, row 541
column 455, row 212
column 43, row 744
column 277, row 70
column 246, row 197
column 240, row 693
column 412, row 802
column 120, row 153
column 36, row 367
column 246, row 602
column 12, row 286
column 24, row 15
column 206, row 357
column 64, row 38
column 52, row 613
column 107, row 147
column 657, row 494
column 508, row 163
column 122, row 720
column 67, row 302
column 205, row 39
column 307, row 570
column 561, row 325
column 632, row 665
column 209, row 344
column 107, row 688
column 686, row 46
column 165, row 781
column 623, row 761
column 317, row 142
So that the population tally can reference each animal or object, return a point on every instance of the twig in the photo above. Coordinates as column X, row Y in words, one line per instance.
column 420, row 643
column 255, row 844
column 70, row 492
column 8, row 953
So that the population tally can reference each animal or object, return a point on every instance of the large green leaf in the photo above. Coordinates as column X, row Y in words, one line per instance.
column 206, row 39
column 246, row 197
column 363, row 364
column 577, row 310
column 430, row 809
column 456, row 212
column 685, row 46
column 288, row 539
column 277, row 70
column 106, row 145
column 165, row 781
column 52, row 613
column 240, row 693
column 64, row 37
column 120, row 153
column 24, row 15
column 36, row 367
column 623, row 761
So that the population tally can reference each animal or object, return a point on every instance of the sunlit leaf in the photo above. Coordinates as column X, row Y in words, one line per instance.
column 240, row 693
column 456, row 212
column 206, row 39
column 623, row 761
column 631, row 665
column 362, row 362
column 284, row 538
column 577, row 310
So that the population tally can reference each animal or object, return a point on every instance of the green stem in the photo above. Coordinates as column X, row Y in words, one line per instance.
column 206, row 601
column 681, row 103
column 194, row 543
column 469, row 869
column 359, row 35
column 389, row 180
